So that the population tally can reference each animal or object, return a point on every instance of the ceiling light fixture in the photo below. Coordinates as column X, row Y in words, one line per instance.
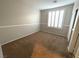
column 55, row 1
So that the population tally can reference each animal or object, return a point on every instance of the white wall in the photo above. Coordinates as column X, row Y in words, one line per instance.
column 67, row 18
column 18, row 18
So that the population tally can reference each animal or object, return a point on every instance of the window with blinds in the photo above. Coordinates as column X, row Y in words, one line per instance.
column 55, row 18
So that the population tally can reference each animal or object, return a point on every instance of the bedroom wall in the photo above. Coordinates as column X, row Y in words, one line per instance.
column 18, row 18
column 67, row 18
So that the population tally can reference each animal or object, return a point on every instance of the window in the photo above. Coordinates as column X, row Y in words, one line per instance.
column 55, row 18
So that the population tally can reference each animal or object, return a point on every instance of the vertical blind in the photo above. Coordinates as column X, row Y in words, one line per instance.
column 55, row 18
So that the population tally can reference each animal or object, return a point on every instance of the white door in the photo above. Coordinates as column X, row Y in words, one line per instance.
column 73, row 45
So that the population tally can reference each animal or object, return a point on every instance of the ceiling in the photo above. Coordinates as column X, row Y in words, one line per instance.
column 46, row 4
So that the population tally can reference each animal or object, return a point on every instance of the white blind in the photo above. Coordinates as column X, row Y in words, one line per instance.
column 55, row 18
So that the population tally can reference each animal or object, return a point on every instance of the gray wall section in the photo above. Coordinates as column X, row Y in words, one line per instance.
column 66, row 21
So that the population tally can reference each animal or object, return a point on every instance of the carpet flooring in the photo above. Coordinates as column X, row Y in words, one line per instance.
column 37, row 45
